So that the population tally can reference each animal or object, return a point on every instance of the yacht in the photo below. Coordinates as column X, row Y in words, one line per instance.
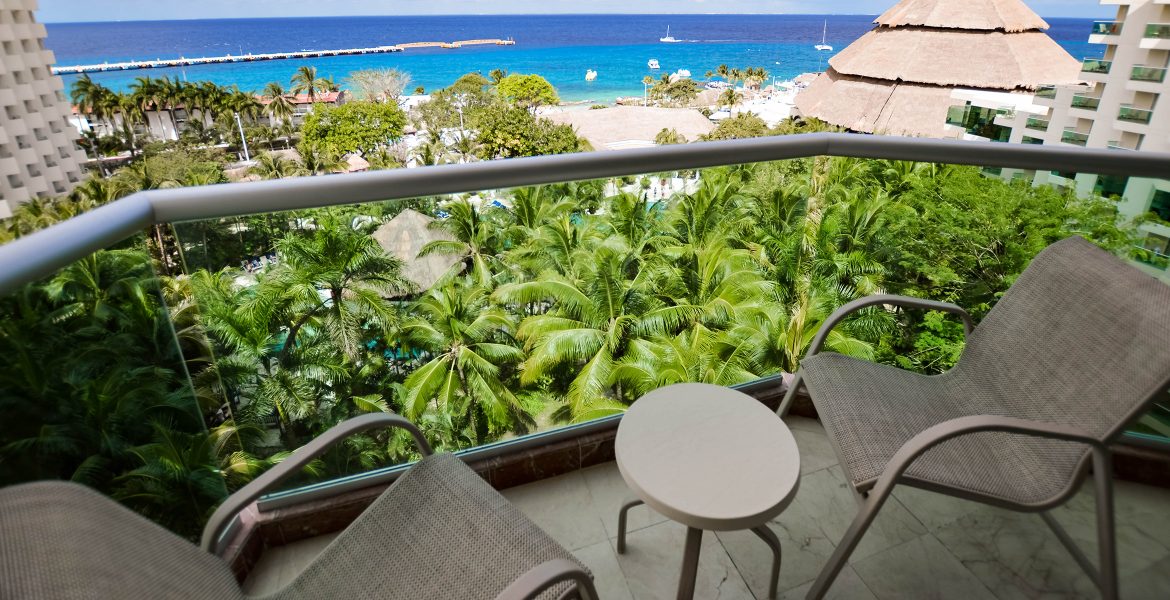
column 590, row 75
column 652, row 63
column 823, row 46
column 668, row 39
column 683, row 73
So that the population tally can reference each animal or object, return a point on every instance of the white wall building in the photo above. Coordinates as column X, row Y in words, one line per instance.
column 38, row 156
column 1122, row 104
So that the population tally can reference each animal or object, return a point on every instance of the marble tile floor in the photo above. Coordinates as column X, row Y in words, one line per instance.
column 922, row 545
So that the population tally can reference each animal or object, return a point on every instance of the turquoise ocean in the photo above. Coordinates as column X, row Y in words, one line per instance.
column 559, row 47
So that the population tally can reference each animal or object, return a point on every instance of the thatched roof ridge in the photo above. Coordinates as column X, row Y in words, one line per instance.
column 984, row 15
column 877, row 106
column 406, row 234
column 987, row 59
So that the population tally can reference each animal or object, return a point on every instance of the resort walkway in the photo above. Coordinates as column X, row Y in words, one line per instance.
column 923, row 545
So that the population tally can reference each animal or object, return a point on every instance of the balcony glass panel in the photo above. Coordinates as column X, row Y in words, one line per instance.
column 1095, row 65
column 1154, row 74
column 1158, row 30
column 1074, row 137
column 94, row 387
column 1085, row 102
column 490, row 316
column 1136, row 115
column 1106, row 28
column 1032, row 140
column 1047, row 91
column 1036, row 123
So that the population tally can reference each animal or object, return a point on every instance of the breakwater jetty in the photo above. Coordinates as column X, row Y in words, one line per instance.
column 213, row 60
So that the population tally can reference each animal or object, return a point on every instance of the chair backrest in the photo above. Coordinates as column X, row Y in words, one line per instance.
column 1081, row 338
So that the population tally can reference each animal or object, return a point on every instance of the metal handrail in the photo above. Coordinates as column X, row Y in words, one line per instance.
column 44, row 252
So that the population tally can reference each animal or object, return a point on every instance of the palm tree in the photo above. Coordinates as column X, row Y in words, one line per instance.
column 476, row 241
column 497, row 75
column 280, row 108
column 275, row 166
column 317, row 161
column 730, row 98
column 93, row 98
column 469, row 342
column 305, row 81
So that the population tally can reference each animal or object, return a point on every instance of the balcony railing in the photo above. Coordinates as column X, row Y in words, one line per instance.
column 1085, row 102
column 1116, row 145
column 1072, row 136
column 1106, row 28
column 1032, row 140
column 1134, row 115
column 1046, row 91
column 1160, row 31
column 1153, row 74
column 211, row 226
column 1095, row 65
column 1036, row 123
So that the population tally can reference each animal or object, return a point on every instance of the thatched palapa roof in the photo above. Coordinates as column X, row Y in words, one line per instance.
column 615, row 127
column 404, row 236
column 984, row 15
column 899, row 77
column 963, row 58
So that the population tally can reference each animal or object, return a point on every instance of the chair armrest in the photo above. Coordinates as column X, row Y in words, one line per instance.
column 547, row 574
column 904, row 301
column 960, row 426
column 299, row 458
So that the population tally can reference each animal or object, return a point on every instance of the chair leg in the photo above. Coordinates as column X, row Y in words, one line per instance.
column 786, row 403
column 773, row 542
column 1106, row 541
column 626, row 506
column 845, row 547
column 690, row 566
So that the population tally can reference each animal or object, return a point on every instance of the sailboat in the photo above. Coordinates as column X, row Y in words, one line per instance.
column 824, row 33
column 668, row 39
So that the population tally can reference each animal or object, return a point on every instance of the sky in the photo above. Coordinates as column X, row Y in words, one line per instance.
column 56, row 11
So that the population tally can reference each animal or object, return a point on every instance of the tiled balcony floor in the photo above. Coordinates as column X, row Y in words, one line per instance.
column 922, row 545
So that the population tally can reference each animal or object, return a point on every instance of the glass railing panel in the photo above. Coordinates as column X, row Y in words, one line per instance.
column 101, row 385
column 1085, row 102
column 1095, row 65
column 1074, row 137
column 1106, row 28
column 1032, row 140
column 1135, row 115
column 1158, row 31
column 1036, row 123
column 1153, row 74
column 1047, row 91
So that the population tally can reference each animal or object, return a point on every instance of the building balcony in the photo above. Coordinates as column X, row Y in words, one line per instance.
column 1105, row 32
column 1036, row 123
column 1151, row 74
column 222, row 269
column 1156, row 37
column 1046, row 92
column 1085, row 102
column 1096, row 65
column 1072, row 136
column 1135, row 115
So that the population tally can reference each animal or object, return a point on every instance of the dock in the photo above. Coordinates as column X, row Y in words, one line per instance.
column 163, row 63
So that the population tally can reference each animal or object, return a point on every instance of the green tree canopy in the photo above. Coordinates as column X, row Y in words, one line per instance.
column 508, row 131
column 527, row 91
column 354, row 127
column 742, row 125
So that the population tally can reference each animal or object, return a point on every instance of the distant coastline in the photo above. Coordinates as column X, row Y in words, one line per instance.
column 559, row 47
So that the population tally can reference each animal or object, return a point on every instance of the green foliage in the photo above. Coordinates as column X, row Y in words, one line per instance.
column 527, row 91
column 508, row 131
column 668, row 137
column 354, row 127
column 742, row 125
column 678, row 91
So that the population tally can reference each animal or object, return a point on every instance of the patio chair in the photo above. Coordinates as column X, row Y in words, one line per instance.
column 439, row 531
column 1072, row 353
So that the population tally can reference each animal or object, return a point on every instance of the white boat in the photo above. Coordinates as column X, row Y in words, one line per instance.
column 652, row 63
column 683, row 73
column 668, row 39
column 823, row 46
column 590, row 75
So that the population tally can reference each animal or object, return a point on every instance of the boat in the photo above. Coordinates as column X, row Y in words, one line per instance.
column 823, row 46
column 652, row 63
column 683, row 73
column 590, row 75
column 668, row 39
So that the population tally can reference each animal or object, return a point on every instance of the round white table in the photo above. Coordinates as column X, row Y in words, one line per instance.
column 711, row 458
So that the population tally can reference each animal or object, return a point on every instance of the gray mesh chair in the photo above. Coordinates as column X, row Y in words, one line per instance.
column 1072, row 353
column 439, row 531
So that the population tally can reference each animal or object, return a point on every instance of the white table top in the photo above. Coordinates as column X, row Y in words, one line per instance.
column 708, row 456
